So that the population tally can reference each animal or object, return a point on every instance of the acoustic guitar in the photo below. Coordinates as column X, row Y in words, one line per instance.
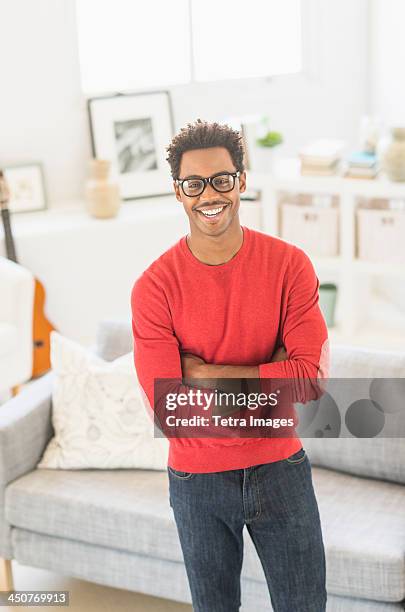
column 42, row 328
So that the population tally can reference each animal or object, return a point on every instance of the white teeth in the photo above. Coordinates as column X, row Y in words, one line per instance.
column 212, row 212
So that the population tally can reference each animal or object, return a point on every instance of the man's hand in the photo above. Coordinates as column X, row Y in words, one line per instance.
column 209, row 376
column 190, row 365
column 223, row 378
column 279, row 355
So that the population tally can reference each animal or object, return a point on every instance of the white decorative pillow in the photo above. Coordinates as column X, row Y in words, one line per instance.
column 98, row 414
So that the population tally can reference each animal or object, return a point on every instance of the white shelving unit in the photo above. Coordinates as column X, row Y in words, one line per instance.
column 361, row 317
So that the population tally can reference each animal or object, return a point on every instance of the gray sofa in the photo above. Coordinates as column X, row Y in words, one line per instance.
column 116, row 527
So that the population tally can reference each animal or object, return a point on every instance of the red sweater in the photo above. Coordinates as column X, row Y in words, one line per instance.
column 236, row 313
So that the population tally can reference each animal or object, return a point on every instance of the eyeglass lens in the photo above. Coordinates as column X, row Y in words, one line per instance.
column 222, row 182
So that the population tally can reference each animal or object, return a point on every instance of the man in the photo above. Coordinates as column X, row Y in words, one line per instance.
column 227, row 302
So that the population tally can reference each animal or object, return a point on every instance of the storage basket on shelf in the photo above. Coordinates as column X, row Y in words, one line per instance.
column 312, row 227
column 380, row 235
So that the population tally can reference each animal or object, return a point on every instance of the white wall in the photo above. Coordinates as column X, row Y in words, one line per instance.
column 387, row 91
column 43, row 113
column 388, row 60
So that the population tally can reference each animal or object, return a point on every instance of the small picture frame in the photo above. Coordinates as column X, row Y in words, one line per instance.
column 26, row 184
column 132, row 130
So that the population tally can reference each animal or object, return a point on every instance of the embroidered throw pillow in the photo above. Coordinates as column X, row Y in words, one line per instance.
column 98, row 414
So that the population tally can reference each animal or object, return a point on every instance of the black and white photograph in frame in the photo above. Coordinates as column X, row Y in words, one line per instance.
column 133, row 131
column 26, row 184
column 135, row 144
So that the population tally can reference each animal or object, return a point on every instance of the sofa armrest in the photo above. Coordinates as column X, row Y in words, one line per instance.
column 25, row 429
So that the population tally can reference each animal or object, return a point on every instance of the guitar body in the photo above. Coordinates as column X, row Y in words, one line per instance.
column 41, row 333
column 41, row 326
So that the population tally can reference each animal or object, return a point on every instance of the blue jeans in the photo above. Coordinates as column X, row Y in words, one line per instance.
column 276, row 502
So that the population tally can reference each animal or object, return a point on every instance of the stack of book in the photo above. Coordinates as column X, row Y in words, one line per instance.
column 321, row 157
column 362, row 164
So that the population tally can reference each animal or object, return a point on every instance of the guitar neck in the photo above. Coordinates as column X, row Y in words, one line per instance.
column 10, row 247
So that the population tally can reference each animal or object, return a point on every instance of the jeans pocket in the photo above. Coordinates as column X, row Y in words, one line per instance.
column 179, row 474
column 297, row 457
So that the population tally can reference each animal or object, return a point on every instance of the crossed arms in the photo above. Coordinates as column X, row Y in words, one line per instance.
column 303, row 356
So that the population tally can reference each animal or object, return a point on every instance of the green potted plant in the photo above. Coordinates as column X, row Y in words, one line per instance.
column 271, row 139
column 266, row 140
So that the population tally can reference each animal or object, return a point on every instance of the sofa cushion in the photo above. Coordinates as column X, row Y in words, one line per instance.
column 379, row 457
column 382, row 458
column 123, row 509
column 362, row 520
column 347, row 361
column 363, row 526
column 363, row 523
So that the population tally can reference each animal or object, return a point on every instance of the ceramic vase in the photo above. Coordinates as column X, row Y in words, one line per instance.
column 102, row 194
column 394, row 158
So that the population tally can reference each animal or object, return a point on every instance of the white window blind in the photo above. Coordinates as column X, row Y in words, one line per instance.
column 136, row 44
column 130, row 44
column 245, row 38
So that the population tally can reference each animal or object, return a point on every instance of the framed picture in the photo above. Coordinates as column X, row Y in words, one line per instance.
column 133, row 131
column 27, row 187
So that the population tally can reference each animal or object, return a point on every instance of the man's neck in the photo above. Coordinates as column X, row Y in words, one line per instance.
column 216, row 250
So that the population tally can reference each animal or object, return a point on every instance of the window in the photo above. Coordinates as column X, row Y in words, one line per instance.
column 245, row 38
column 133, row 44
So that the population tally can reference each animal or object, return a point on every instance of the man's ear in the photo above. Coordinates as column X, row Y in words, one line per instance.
column 177, row 191
column 242, row 182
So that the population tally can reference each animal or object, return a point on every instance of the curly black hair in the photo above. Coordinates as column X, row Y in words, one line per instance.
column 202, row 135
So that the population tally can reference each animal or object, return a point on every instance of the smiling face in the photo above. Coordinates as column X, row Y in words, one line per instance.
column 203, row 163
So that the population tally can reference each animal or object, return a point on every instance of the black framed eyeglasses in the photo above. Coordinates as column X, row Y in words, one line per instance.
column 221, row 182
